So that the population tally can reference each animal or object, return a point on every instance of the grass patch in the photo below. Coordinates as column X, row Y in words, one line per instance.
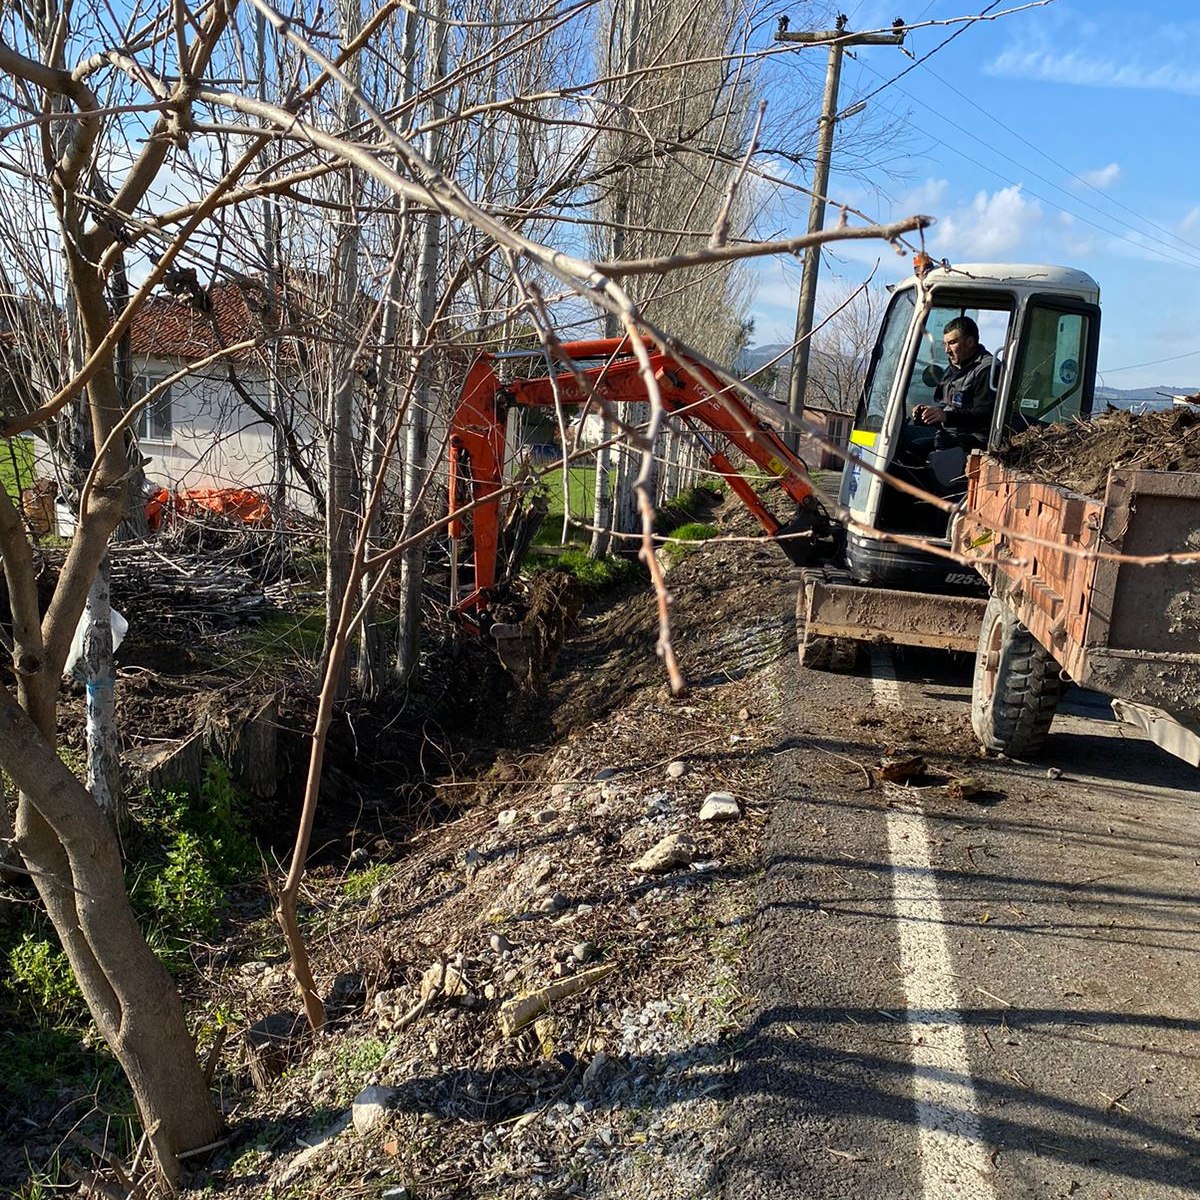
column 688, row 508
column 16, row 466
column 686, row 539
column 284, row 635
column 582, row 493
column 58, row 1058
column 596, row 574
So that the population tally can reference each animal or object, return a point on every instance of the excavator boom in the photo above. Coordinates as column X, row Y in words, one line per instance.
column 688, row 390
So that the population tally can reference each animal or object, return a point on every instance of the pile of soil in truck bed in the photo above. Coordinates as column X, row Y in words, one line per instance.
column 1079, row 456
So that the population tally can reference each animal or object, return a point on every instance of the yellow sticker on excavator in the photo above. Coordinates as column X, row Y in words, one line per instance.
column 863, row 437
column 775, row 466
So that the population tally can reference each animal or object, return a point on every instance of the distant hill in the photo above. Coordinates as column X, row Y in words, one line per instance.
column 1154, row 397
column 753, row 357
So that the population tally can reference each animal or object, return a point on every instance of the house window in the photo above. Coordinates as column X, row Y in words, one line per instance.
column 154, row 419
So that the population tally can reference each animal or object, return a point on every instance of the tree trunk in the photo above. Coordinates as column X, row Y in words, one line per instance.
column 62, row 835
column 602, row 506
column 416, row 450
column 100, row 679
column 340, row 515
column 371, row 666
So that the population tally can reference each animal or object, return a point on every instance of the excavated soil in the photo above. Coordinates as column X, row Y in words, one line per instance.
column 1079, row 456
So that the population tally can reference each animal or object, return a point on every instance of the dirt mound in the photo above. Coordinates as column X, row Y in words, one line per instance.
column 728, row 611
column 530, row 632
column 1079, row 456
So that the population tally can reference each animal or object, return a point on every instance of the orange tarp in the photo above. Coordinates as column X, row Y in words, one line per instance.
column 236, row 504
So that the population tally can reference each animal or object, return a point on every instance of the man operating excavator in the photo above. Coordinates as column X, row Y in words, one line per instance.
column 965, row 397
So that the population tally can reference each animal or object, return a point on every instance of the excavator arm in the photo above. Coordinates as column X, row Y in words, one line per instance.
column 688, row 390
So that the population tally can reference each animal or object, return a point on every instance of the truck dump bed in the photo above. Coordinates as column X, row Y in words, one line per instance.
column 1130, row 630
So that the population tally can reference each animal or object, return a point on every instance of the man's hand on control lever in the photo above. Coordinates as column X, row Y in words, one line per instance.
column 928, row 414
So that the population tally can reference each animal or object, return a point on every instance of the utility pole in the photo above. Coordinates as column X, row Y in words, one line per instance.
column 838, row 39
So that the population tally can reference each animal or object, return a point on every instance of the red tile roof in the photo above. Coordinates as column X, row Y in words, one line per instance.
column 175, row 326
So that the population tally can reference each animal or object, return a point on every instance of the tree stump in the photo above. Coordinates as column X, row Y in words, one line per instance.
column 246, row 738
column 167, row 767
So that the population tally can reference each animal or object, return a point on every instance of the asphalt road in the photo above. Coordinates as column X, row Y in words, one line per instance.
column 969, row 1000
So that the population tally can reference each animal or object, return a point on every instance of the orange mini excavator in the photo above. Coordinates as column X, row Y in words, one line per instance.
column 608, row 369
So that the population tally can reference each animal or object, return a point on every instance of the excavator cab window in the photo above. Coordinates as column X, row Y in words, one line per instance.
column 885, row 362
column 915, row 439
column 914, row 442
column 1053, row 379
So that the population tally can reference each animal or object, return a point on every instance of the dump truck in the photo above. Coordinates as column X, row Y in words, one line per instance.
column 1095, row 590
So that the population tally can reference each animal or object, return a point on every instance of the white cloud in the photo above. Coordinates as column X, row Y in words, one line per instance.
column 1076, row 243
column 1084, row 70
column 927, row 197
column 776, row 286
column 990, row 227
column 1191, row 221
column 1102, row 177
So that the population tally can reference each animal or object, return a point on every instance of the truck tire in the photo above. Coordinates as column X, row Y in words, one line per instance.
column 1017, row 685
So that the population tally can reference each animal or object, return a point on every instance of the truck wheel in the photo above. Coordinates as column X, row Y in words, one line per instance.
column 1017, row 685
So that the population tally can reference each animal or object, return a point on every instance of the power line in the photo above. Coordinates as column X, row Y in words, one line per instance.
column 1154, row 362
column 1038, row 150
column 926, row 57
column 1169, row 253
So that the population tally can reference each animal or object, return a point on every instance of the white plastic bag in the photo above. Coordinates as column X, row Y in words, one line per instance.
column 120, row 627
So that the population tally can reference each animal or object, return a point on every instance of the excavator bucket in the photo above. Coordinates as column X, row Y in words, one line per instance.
column 517, row 650
column 528, row 647
column 810, row 537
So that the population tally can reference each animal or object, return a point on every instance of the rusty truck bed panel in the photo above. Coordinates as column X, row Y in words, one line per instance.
column 1127, row 629
column 1152, row 606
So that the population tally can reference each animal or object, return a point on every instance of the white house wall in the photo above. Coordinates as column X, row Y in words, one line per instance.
column 216, row 439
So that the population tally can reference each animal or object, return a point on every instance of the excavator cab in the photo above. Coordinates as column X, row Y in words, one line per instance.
column 899, row 582
column 1042, row 326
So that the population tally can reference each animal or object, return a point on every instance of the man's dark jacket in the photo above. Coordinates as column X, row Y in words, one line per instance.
column 967, row 397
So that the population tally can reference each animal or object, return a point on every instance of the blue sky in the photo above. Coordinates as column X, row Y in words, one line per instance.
column 1064, row 133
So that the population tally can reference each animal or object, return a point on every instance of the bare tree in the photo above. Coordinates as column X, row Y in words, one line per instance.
column 682, row 117
column 842, row 348
column 64, row 839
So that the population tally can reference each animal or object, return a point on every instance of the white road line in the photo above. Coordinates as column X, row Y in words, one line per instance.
column 954, row 1159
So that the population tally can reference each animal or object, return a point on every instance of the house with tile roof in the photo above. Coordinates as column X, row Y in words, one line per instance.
column 215, row 426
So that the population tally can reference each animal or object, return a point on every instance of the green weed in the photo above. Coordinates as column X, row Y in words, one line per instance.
column 40, row 977
column 350, row 1061
column 596, row 574
column 184, row 854
column 684, row 540
column 360, row 884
